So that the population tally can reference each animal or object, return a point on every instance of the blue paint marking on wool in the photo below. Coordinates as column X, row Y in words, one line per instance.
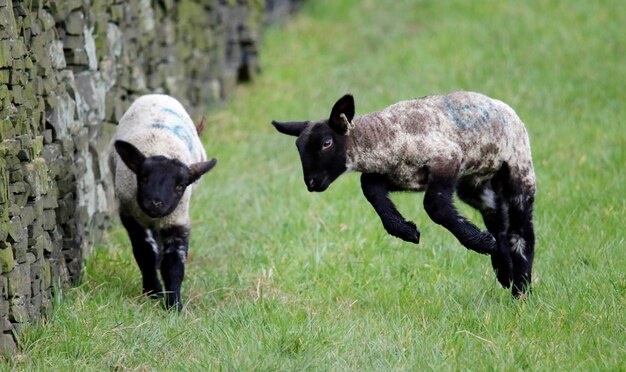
column 179, row 130
column 468, row 115
column 170, row 111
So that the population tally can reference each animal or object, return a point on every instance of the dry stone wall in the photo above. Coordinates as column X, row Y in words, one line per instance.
column 68, row 70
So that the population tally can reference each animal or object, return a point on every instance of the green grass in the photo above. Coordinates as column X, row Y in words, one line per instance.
column 281, row 279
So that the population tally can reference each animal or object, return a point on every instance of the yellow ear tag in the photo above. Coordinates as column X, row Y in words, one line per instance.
column 349, row 125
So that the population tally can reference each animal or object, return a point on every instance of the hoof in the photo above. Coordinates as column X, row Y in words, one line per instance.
column 410, row 233
column 172, row 302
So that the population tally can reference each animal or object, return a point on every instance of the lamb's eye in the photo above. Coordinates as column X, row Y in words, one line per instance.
column 327, row 143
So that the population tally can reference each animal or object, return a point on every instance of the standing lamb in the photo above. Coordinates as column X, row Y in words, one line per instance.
column 158, row 156
column 462, row 141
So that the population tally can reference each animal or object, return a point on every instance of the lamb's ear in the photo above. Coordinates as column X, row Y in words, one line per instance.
column 132, row 157
column 342, row 114
column 293, row 128
column 198, row 169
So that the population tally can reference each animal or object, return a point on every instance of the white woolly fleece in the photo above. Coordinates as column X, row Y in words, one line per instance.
column 457, row 134
column 156, row 124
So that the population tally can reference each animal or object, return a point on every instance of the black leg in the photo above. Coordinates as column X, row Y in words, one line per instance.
column 145, row 250
column 522, row 239
column 494, row 210
column 520, row 233
column 438, row 203
column 175, row 245
column 485, row 199
column 376, row 189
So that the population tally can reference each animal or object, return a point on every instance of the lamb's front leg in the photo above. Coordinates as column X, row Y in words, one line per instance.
column 175, row 246
column 376, row 189
column 145, row 250
column 440, row 208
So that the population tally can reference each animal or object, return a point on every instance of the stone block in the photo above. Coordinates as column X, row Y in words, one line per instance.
column 117, row 13
column 67, row 207
column 62, row 114
column 18, row 79
column 27, row 215
column 9, row 147
column 39, row 51
column 7, row 262
column 11, row 160
column 5, row 324
column 75, row 23
column 5, row 52
column 19, row 281
column 37, row 204
column 36, row 271
column 5, row 76
column 20, row 248
column 18, row 50
column 48, row 86
column 16, row 230
column 35, row 308
column 39, row 245
column 18, row 310
column 49, row 219
column 36, row 176
column 46, row 19
column 46, row 279
column 35, row 230
column 74, row 42
column 81, row 141
column 90, row 97
column 57, row 57
column 114, row 41
column 7, row 345
column 67, row 186
column 18, row 187
column 16, row 176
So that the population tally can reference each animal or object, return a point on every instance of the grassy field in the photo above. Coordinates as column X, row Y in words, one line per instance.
column 281, row 279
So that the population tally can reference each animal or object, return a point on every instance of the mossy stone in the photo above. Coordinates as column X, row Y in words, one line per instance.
column 7, row 262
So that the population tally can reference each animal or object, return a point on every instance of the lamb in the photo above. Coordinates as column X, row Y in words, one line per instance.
column 461, row 141
column 158, row 156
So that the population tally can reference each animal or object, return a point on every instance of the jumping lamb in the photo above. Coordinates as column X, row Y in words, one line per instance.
column 462, row 141
column 158, row 156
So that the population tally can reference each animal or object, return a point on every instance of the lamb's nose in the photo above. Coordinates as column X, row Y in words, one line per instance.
column 311, row 182
column 156, row 203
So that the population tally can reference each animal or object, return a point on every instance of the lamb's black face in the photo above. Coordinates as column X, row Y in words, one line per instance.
column 322, row 145
column 323, row 155
column 161, row 183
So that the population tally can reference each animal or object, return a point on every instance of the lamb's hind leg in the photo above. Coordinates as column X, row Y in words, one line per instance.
column 145, row 250
column 493, row 209
column 521, row 234
column 522, row 240
column 440, row 208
